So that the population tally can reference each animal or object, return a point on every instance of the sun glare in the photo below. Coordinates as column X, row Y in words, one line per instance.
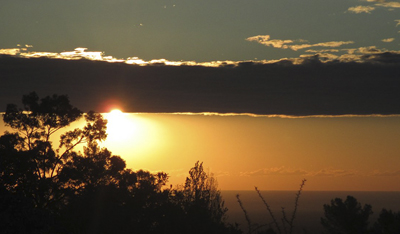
column 130, row 135
column 119, row 126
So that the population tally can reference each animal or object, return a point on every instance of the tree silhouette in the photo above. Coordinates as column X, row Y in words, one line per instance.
column 43, row 185
column 202, row 203
column 32, row 166
column 347, row 217
column 48, row 189
column 388, row 222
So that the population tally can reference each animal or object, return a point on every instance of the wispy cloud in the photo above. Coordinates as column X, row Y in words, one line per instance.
column 385, row 173
column 322, row 51
column 284, row 171
column 321, row 44
column 369, row 50
column 388, row 40
column 361, row 9
column 325, row 172
column 275, row 171
column 288, row 44
column 278, row 116
column 335, row 173
column 388, row 4
column 265, row 40
column 321, row 56
column 378, row 3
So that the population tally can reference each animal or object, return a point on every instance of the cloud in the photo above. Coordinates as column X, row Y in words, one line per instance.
column 300, row 172
column 361, row 9
column 389, row 4
column 322, row 51
column 274, row 171
column 384, row 3
column 385, row 173
column 321, row 44
column 321, row 56
column 11, row 51
column 362, row 82
column 334, row 173
column 326, row 172
column 80, row 53
column 388, row 40
column 324, row 55
column 265, row 40
column 383, row 58
column 369, row 50
column 287, row 44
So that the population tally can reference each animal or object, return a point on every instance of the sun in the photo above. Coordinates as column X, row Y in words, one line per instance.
column 134, row 137
column 119, row 126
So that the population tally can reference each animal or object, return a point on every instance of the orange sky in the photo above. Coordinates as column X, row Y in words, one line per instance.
column 342, row 153
column 272, row 153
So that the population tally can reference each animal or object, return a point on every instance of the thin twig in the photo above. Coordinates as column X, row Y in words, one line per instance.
column 296, row 204
column 284, row 220
column 269, row 210
column 245, row 213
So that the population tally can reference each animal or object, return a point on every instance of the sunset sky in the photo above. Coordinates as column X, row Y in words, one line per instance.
column 203, row 31
column 269, row 92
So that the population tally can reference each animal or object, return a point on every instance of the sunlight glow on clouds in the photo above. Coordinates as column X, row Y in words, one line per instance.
column 265, row 40
column 369, row 50
column 326, row 172
column 334, row 172
column 82, row 53
column 388, row 39
column 361, row 9
column 295, row 172
column 322, row 44
column 322, row 51
column 277, row 43
column 378, row 3
column 361, row 54
column 12, row 51
column 389, row 4
column 275, row 171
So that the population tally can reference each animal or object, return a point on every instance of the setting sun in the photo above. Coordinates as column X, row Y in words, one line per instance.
column 119, row 128
column 133, row 136
column 131, row 116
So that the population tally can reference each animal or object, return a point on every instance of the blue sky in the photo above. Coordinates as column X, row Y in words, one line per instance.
column 203, row 31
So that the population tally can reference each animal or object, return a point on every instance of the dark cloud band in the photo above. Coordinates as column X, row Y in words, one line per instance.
column 282, row 88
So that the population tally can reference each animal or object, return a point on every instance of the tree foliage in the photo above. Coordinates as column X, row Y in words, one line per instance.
column 47, row 187
column 387, row 223
column 202, row 203
column 346, row 217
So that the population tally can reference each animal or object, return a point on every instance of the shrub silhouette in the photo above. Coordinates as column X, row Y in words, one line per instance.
column 287, row 224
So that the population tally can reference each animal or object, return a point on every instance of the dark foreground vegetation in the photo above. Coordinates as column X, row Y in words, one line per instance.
column 51, row 187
